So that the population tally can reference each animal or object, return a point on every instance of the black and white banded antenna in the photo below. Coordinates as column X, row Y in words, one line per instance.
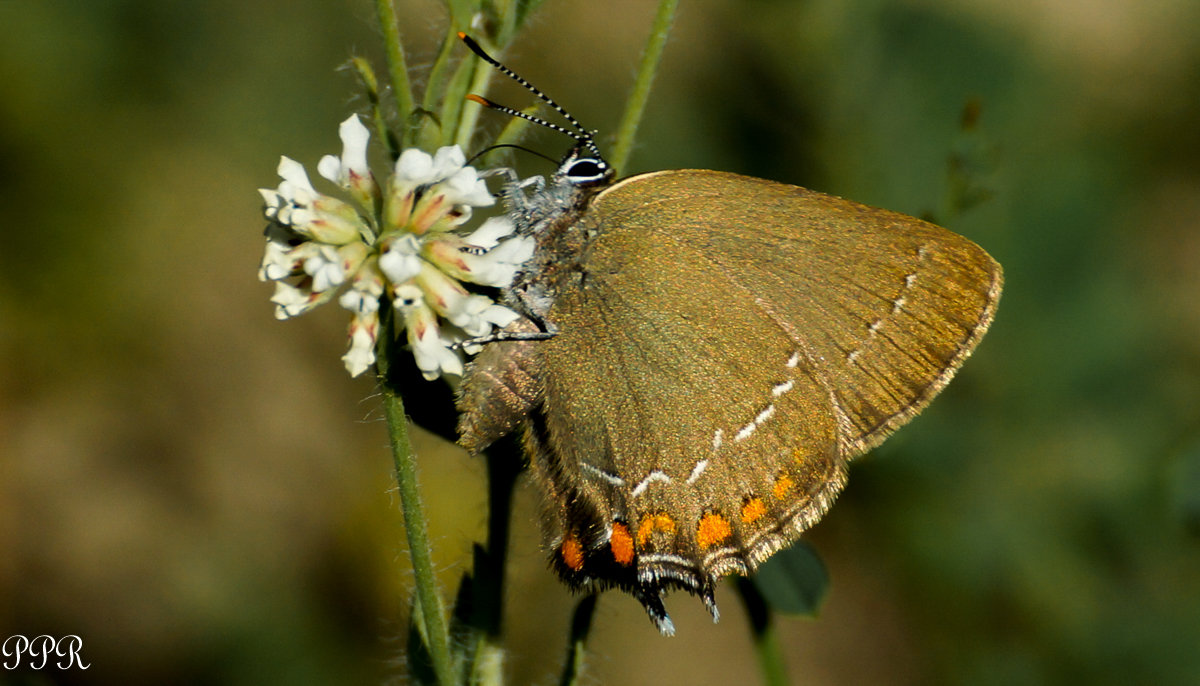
column 584, row 137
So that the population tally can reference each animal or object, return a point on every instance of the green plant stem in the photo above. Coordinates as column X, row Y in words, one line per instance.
column 366, row 74
column 480, row 80
column 436, row 90
column 762, row 632
column 397, row 65
column 636, row 105
column 429, row 603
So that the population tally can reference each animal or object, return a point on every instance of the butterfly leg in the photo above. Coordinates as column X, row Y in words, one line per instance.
column 516, row 191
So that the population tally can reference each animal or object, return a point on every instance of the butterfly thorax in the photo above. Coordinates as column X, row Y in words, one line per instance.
column 550, row 214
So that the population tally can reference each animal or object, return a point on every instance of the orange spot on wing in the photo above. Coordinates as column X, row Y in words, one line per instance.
column 621, row 544
column 713, row 529
column 651, row 523
column 782, row 485
column 572, row 552
column 753, row 510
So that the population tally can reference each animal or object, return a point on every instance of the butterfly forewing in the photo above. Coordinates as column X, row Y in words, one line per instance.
column 887, row 305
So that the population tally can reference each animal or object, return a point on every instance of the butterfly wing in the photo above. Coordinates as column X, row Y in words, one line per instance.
column 683, row 435
column 725, row 345
column 888, row 305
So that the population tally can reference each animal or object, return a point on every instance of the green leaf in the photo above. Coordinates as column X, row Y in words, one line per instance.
column 793, row 580
column 420, row 663
column 1186, row 486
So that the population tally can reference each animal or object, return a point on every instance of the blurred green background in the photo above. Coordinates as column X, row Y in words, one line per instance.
column 202, row 495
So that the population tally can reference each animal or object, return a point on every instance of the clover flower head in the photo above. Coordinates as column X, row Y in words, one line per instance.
column 401, row 239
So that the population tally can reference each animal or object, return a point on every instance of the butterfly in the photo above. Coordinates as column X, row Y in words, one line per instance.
column 701, row 354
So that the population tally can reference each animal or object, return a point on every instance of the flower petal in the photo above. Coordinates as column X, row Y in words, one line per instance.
column 350, row 171
column 292, row 301
column 464, row 187
column 468, row 315
column 354, row 137
column 491, row 231
column 277, row 262
column 365, row 290
column 325, row 268
column 294, row 178
column 496, row 267
column 446, row 161
column 413, row 168
column 444, row 294
column 364, row 331
column 500, row 316
column 399, row 259
column 431, row 351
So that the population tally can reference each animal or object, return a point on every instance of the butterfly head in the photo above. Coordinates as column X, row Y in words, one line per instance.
column 583, row 167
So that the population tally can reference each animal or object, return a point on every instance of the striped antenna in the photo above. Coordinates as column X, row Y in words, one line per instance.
column 585, row 137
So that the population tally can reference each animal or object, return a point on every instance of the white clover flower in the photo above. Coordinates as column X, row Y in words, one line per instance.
column 353, row 162
column 447, row 161
column 278, row 261
column 297, row 205
column 325, row 268
column 459, row 189
column 291, row 301
column 411, row 253
column 481, row 257
column 364, row 331
column 430, row 348
column 413, row 167
column 464, row 187
column 365, row 290
column 400, row 257
column 477, row 314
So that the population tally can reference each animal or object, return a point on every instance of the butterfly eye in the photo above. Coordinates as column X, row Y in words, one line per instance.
column 586, row 170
